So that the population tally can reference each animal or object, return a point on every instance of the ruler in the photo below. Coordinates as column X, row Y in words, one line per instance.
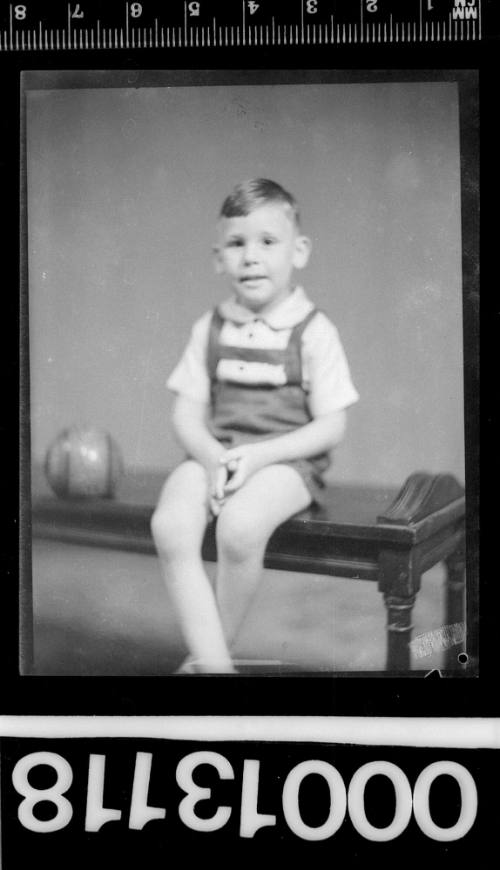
column 88, row 25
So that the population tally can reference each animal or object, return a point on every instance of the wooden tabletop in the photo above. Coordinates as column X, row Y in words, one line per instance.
column 424, row 504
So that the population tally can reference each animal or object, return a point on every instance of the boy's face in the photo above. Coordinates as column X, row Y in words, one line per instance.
column 258, row 252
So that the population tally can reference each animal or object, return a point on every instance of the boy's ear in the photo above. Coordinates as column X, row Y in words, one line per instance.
column 302, row 251
column 217, row 258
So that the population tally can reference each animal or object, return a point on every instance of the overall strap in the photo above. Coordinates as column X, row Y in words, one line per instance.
column 215, row 327
column 294, row 349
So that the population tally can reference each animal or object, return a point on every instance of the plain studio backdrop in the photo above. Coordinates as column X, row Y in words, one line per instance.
column 124, row 189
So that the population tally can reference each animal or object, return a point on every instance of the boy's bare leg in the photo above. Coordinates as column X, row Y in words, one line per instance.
column 178, row 526
column 246, row 522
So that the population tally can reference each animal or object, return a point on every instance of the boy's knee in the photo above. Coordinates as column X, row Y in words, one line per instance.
column 238, row 537
column 172, row 531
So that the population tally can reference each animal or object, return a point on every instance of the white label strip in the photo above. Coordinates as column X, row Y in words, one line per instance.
column 459, row 733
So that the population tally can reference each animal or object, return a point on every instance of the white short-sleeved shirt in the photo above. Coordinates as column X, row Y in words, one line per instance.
column 326, row 376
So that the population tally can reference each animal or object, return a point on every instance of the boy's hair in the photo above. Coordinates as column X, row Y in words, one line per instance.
column 251, row 194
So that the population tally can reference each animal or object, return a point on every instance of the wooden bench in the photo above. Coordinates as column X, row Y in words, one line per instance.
column 363, row 533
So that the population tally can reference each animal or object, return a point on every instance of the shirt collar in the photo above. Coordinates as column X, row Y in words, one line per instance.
column 287, row 314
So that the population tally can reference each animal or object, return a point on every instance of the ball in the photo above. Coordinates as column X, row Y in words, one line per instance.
column 83, row 462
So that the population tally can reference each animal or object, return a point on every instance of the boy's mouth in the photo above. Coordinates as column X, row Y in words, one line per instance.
column 252, row 279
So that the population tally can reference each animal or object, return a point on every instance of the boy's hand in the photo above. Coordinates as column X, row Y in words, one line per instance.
column 217, row 478
column 241, row 462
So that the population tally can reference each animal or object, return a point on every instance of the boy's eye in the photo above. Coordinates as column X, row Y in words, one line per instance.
column 269, row 240
column 234, row 243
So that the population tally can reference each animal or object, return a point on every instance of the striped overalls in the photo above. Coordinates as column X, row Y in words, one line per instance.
column 257, row 393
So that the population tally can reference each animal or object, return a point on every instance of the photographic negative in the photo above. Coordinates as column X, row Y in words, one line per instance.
column 125, row 176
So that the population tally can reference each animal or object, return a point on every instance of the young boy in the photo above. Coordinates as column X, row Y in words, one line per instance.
column 261, row 392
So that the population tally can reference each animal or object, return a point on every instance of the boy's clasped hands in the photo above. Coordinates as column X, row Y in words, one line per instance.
column 235, row 466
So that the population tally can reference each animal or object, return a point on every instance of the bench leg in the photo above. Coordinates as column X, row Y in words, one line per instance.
column 455, row 593
column 399, row 629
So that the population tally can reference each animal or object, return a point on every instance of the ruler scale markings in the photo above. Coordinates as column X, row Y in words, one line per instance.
column 419, row 29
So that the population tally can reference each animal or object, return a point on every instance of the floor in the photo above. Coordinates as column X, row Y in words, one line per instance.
column 99, row 612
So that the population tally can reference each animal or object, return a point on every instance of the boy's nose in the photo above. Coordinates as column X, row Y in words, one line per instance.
column 250, row 253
